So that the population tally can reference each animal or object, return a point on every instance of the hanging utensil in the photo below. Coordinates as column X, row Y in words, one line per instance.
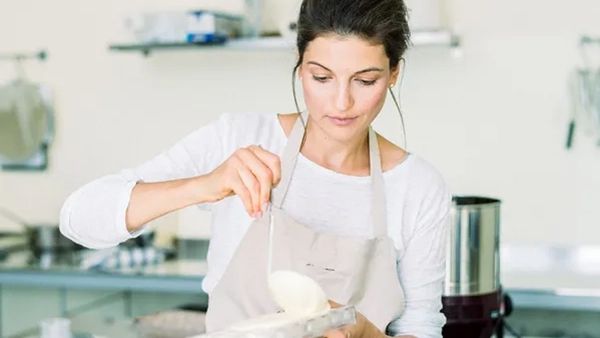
column 595, row 106
column 26, row 119
column 574, row 99
column 584, row 89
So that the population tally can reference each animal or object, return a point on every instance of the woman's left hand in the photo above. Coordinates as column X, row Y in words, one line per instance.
column 362, row 328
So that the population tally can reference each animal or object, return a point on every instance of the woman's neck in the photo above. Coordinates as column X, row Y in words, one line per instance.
column 346, row 157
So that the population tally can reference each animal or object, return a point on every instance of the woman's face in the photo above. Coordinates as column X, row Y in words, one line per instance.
column 345, row 80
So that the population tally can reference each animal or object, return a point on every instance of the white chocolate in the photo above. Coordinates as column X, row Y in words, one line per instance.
column 297, row 294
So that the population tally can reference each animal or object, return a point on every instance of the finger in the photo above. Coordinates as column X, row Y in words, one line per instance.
column 261, row 171
column 271, row 160
column 239, row 188
column 253, row 187
column 334, row 304
column 274, row 163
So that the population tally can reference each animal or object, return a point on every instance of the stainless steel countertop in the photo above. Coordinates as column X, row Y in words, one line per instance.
column 552, row 277
column 535, row 277
column 177, row 276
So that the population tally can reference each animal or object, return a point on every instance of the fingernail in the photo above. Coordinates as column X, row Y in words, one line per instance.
column 264, row 207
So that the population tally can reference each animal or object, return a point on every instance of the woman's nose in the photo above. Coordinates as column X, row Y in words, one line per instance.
column 343, row 100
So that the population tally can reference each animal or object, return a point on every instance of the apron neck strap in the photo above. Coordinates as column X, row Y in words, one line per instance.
column 289, row 160
column 378, row 201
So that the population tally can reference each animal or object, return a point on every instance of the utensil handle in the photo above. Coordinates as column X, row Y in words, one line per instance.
column 570, row 132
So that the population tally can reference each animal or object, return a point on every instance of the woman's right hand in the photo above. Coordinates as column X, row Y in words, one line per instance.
column 250, row 173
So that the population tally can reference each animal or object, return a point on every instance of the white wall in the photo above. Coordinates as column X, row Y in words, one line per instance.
column 493, row 121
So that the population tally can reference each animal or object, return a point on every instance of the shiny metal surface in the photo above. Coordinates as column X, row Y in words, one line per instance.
column 46, row 238
column 473, row 261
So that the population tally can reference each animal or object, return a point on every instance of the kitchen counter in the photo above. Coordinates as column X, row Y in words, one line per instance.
column 108, row 286
column 537, row 277
column 534, row 277
column 179, row 276
column 565, row 278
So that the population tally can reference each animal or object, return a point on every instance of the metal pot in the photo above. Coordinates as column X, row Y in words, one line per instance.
column 44, row 238
column 473, row 266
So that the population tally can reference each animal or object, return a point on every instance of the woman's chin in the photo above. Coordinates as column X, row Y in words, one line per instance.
column 344, row 134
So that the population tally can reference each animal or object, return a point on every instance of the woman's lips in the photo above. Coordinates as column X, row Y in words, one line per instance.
column 341, row 121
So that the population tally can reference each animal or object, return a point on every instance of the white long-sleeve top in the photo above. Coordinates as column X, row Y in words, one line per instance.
column 417, row 199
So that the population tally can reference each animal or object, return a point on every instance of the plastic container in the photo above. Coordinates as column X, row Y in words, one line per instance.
column 281, row 328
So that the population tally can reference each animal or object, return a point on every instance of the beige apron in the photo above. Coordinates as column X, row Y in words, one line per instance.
column 352, row 270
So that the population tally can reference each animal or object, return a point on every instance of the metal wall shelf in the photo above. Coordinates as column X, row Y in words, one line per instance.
column 419, row 38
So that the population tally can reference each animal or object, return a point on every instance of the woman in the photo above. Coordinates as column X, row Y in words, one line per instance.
column 360, row 215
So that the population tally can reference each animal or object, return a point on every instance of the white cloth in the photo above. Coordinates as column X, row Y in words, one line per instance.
column 418, row 204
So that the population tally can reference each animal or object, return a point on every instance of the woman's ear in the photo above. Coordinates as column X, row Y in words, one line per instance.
column 395, row 72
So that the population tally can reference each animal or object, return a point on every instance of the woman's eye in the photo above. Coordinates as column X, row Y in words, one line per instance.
column 320, row 78
column 367, row 82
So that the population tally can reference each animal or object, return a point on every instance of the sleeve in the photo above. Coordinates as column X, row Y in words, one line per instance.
column 94, row 215
column 422, row 268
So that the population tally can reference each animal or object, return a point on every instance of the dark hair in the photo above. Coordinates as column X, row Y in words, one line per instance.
column 378, row 21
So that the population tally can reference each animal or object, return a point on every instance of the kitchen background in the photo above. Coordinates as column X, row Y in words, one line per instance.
column 490, row 114
column 492, row 119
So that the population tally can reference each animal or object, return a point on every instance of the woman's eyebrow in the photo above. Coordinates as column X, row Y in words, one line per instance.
column 370, row 69
column 318, row 64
